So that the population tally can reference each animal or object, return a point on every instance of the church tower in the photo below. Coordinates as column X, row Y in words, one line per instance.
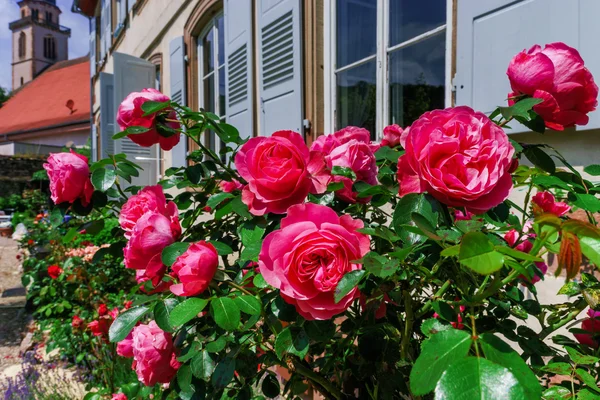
column 38, row 40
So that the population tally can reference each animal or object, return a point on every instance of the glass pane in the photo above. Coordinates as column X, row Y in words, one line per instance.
column 209, row 105
column 221, row 33
column 356, row 100
column 222, row 109
column 208, row 52
column 356, row 30
column 417, row 76
column 410, row 18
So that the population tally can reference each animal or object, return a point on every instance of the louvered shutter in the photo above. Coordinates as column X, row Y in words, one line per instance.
column 238, row 55
column 178, row 93
column 280, row 65
column 92, row 46
column 132, row 74
column 491, row 32
column 107, row 114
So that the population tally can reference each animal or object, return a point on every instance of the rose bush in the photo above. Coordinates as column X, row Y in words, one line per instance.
column 369, row 270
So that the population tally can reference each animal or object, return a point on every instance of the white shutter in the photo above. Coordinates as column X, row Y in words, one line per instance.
column 491, row 32
column 280, row 65
column 178, row 93
column 107, row 114
column 121, row 12
column 92, row 47
column 238, row 56
column 132, row 74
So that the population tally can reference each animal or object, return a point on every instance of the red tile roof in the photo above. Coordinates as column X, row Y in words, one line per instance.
column 42, row 102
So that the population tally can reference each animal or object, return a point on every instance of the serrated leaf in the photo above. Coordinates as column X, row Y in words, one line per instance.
column 171, row 252
column 203, row 365
column 431, row 326
column 125, row 322
column 151, row 107
column 226, row 313
column 347, row 284
column 558, row 368
column 249, row 304
column 570, row 289
column 186, row 311
column 218, row 198
column 223, row 373
column 162, row 311
column 103, row 179
column 579, row 358
column 588, row 379
column 292, row 340
column 222, row 248
column 478, row 253
column 540, row 159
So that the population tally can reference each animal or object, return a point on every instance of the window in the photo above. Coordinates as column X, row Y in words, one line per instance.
column 388, row 64
column 23, row 13
column 48, row 17
column 22, row 44
column 50, row 47
column 35, row 15
column 211, row 65
column 22, row 81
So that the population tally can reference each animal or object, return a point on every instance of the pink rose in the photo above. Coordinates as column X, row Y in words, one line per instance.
column 69, row 176
column 460, row 157
column 463, row 216
column 151, row 234
column 155, row 360
column 277, row 171
column 130, row 113
column 150, row 198
column 306, row 258
column 102, row 309
column 195, row 269
column 524, row 245
column 592, row 325
column 154, row 272
column 558, row 76
column 229, row 187
column 391, row 135
column 76, row 322
column 544, row 202
column 125, row 346
column 349, row 148
column 459, row 318
column 100, row 327
column 119, row 396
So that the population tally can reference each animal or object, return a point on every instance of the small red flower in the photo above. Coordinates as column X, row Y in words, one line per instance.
column 128, row 304
column 102, row 310
column 99, row 327
column 76, row 322
column 54, row 271
column 30, row 242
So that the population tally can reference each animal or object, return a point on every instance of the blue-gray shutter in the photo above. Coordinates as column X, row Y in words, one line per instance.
column 178, row 93
column 238, row 56
column 280, row 65
column 108, row 27
column 121, row 13
column 92, row 47
column 107, row 114
column 132, row 74
column 489, row 33
column 130, row 4
column 103, row 16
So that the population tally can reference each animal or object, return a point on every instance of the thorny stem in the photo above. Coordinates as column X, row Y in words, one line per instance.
column 505, row 122
column 238, row 287
column 427, row 306
column 407, row 324
column 580, row 306
column 474, row 333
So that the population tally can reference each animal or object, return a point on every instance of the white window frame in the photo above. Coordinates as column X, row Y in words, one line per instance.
column 212, row 25
column 381, row 57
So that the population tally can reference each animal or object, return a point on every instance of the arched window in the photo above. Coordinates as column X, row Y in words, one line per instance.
column 50, row 47
column 22, row 44
column 35, row 15
column 23, row 13
column 22, row 81
column 48, row 17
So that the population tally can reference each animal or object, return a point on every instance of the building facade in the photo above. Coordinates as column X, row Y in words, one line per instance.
column 38, row 40
column 315, row 66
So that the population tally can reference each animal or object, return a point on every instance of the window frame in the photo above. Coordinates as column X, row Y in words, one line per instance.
column 22, row 45
column 381, row 58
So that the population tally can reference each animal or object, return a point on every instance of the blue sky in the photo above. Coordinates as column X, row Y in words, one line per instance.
column 78, row 43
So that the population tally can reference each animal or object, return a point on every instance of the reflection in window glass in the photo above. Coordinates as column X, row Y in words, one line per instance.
column 416, row 79
column 356, row 30
column 208, row 52
column 410, row 18
column 221, row 39
column 356, row 97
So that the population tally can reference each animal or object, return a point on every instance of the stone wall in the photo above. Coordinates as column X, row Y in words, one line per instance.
column 16, row 173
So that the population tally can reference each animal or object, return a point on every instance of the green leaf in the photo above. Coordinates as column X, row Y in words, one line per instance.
column 579, row 358
column 437, row 354
column 497, row 351
column 477, row 252
column 444, row 310
column 162, row 312
column 171, row 252
column 478, row 378
column 379, row 265
column 238, row 207
column 431, row 326
column 132, row 130
column 225, row 313
column 519, row 255
column 186, row 311
column 540, row 159
column 270, row 386
column 103, row 179
column 593, row 170
column 587, row 394
column 409, row 204
column 222, row 248
column 387, row 153
column 588, row 379
column 520, row 108
column 125, row 322
column 223, row 373
column 218, row 198
column 184, row 377
column 291, row 340
column 558, row 368
column 588, row 202
column 250, row 233
column 70, row 235
column 259, row 281
column 203, row 365
column 557, row 393
column 216, row 346
column 425, row 226
column 590, row 247
column 248, row 304
column 151, row 107
column 343, row 171
column 347, row 283
column 228, row 133
column 570, row 289
column 333, row 186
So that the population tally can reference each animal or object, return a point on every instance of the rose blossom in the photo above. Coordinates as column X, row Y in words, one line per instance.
column 76, row 322
column 391, row 135
column 100, row 327
column 350, row 148
column 150, row 198
column 557, row 75
column 130, row 113
column 151, row 234
column 54, row 271
column 119, row 396
column 525, row 246
column 69, row 176
column 195, row 269
column 277, row 171
column 102, row 309
column 592, row 325
column 228, row 187
column 368, row 305
column 125, row 346
column 545, row 202
column 459, row 318
column 459, row 156
column 154, row 358
column 306, row 258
